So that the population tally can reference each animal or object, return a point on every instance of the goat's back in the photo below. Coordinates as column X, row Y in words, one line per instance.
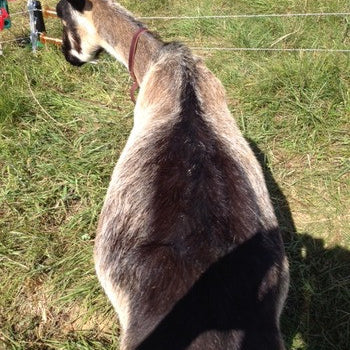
column 188, row 248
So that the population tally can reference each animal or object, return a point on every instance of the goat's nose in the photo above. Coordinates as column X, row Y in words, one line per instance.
column 73, row 60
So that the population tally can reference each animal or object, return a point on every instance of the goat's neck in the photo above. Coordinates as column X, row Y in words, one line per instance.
column 118, row 36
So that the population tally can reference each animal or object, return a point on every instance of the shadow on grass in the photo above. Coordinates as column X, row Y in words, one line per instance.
column 317, row 311
column 233, row 283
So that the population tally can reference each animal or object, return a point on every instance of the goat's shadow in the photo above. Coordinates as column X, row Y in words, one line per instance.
column 317, row 311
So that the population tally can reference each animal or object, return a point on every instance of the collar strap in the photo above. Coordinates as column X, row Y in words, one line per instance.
column 132, row 53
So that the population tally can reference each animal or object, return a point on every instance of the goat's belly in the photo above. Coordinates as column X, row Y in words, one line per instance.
column 115, row 293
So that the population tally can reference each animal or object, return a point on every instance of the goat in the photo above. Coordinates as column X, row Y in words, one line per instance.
column 188, row 248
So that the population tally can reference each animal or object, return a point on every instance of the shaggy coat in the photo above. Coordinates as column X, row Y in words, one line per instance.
column 188, row 248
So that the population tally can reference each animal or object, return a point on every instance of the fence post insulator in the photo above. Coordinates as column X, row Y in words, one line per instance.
column 38, row 16
column 5, row 20
column 3, row 16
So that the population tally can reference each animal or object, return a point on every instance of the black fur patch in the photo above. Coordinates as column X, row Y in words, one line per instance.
column 64, row 12
column 199, row 183
column 78, row 4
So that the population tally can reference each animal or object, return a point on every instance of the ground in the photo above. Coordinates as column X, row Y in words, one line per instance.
column 62, row 129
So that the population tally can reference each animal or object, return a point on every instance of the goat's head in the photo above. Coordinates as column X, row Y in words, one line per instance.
column 81, row 42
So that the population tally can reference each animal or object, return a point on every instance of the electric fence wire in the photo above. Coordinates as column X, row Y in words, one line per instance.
column 14, row 40
column 237, row 49
column 311, row 14
column 269, row 49
column 320, row 14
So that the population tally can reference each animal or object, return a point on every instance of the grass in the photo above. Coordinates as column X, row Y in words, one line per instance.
column 62, row 129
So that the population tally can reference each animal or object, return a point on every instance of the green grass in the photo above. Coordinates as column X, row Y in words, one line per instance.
column 63, row 128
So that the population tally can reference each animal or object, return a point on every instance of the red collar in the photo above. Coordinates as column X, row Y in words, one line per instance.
column 132, row 53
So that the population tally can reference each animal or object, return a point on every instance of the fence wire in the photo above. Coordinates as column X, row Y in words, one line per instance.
column 233, row 16
column 268, row 15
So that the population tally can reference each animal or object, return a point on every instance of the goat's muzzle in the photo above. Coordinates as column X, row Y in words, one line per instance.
column 73, row 60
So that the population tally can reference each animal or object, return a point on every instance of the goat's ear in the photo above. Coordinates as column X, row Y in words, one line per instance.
column 77, row 4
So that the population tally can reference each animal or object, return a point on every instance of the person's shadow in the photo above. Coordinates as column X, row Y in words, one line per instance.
column 317, row 312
